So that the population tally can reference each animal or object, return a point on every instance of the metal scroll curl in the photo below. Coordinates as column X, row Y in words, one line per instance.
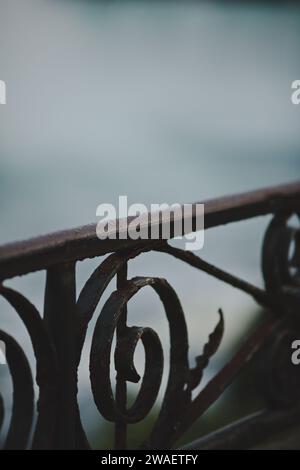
column 46, row 373
column 23, row 395
column 101, row 348
column 182, row 380
column 278, row 377
column 281, row 263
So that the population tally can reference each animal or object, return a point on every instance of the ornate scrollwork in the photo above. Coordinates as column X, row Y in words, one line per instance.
column 281, row 263
column 279, row 379
column 101, row 345
column 46, row 373
column 179, row 408
column 22, row 412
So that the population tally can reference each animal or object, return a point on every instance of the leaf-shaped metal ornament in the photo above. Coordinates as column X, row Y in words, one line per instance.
column 209, row 350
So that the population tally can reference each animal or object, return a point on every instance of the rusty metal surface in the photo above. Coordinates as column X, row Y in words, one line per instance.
column 80, row 243
column 58, row 337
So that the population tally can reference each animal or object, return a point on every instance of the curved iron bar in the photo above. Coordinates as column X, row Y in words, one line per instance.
column 282, row 284
column 46, row 367
column 23, row 395
column 101, row 345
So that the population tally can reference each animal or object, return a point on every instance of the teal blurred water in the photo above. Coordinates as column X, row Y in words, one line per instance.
column 163, row 102
column 159, row 101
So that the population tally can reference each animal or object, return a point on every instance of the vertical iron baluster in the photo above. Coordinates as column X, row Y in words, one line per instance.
column 60, row 318
column 121, row 387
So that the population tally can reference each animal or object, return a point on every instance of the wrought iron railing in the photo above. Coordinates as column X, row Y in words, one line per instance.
column 58, row 336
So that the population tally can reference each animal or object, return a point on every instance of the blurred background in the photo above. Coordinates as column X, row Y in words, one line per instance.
column 161, row 101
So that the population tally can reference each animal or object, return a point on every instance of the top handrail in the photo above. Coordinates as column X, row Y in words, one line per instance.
column 76, row 244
